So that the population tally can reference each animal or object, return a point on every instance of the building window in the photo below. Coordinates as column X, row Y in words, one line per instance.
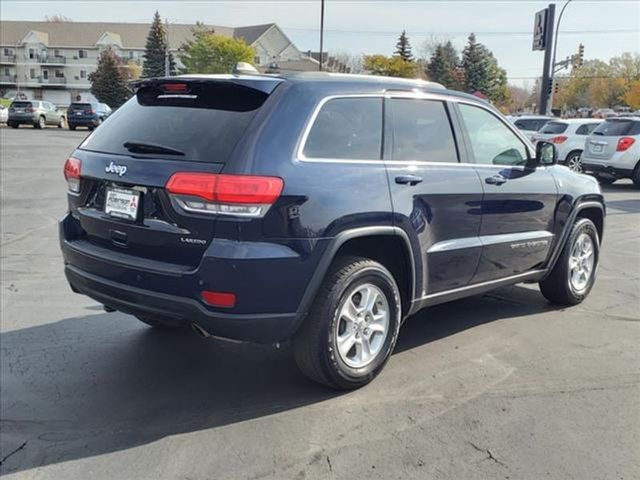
column 32, row 73
column 7, row 72
column 131, row 54
column 56, row 53
column 83, row 74
column 82, row 54
column 256, row 60
column 32, row 53
column 8, row 52
column 59, row 74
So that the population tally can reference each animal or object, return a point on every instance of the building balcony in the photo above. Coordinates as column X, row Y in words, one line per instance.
column 54, row 81
column 52, row 60
column 7, row 59
column 8, row 79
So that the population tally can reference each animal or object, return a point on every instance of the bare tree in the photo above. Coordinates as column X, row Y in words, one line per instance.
column 57, row 18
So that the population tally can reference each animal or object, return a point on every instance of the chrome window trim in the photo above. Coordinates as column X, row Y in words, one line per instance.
column 417, row 95
column 479, row 241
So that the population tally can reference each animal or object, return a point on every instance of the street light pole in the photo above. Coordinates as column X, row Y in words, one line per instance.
column 321, row 32
column 555, row 49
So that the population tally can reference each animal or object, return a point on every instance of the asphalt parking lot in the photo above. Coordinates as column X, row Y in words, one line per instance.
column 496, row 386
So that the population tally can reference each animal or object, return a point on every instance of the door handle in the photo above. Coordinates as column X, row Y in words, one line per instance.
column 408, row 180
column 495, row 180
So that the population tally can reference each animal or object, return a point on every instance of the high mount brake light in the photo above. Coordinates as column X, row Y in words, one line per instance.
column 72, row 173
column 235, row 195
column 624, row 143
column 175, row 87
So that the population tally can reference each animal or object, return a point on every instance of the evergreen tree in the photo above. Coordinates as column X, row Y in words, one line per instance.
column 211, row 53
column 444, row 67
column 108, row 84
column 481, row 71
column 403, row 47
column 155, row 49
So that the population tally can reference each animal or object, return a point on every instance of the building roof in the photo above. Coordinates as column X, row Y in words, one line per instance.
column 133, row 35
column 251, row 33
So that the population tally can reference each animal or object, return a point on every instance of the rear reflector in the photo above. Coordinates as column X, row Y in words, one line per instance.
column 624, row 143
column 240, row 195
column 219, row 299
column 559, row 139
column 72, row 172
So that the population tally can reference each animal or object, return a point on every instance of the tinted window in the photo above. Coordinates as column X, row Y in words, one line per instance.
column 21, row 104
column 554, row 127
column 530, row 124
column 80, row 106
column 347, row 128
column 491, row 140
column 204, row 125
column 613, row 128
column 421, row 131
column 586, row 129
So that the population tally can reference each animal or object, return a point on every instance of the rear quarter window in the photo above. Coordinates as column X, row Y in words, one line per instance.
column 346, row 128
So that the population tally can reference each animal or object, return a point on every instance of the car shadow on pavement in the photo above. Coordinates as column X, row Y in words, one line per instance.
column 102, row 383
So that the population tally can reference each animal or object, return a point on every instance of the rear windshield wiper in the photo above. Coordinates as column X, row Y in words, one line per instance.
column 140, row 147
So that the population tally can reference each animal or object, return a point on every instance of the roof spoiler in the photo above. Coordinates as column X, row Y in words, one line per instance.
column 262, row 83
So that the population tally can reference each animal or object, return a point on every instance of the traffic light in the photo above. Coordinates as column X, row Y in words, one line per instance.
column 580, row 59
column 550, row 87
column 556, row 87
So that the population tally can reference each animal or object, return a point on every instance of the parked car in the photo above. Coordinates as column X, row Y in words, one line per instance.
column 530, row 124
column 87, row 114
column 604, row 113
column 35, row 112
column 568, row 136
column 4, row 114
column 612, row 151
column 269, row 208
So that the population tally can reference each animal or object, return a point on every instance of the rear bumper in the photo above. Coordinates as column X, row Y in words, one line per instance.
column 83, row 122
column 602, row 168
column 265, row 328
column 22, row 119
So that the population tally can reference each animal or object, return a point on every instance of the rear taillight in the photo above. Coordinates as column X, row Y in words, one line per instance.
column 236, row 195
column 30, row 109
column 219, row 299
column 72, row 172
column 624, row 143
column 559, row 139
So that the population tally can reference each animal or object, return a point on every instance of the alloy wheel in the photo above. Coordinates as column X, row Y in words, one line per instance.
column 581, row 262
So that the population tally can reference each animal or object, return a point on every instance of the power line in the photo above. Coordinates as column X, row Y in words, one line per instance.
column 513, row 33
column 586, row 77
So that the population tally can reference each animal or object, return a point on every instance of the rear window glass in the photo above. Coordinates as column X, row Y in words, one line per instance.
column 21, row 104
column 530, row 124
column 80, row 106
column 554, row 127
column 421, row 131
column 347, row 128
column 586, row 129
column 202, row 126
column 614, row 128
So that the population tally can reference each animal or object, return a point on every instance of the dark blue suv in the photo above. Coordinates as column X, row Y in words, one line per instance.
column 87, row 114
column 318, row 208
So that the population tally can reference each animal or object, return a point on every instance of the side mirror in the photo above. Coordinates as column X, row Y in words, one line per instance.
column 546, row 154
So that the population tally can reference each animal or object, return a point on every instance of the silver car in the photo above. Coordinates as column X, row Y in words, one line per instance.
column 35, row 112
column 612, row 151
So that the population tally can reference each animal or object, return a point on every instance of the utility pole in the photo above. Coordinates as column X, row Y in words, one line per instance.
column 547, row 70
column 555, row 48
column 321, row 33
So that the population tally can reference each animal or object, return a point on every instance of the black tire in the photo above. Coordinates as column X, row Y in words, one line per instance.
column 573, row 161
column 314, row 345
column 557, row 286
column 159, row 323
column 41, row 123
column 72, row 127
column 636, row 176
column 605, row 180
column 91, row 127
column 62, row 123
column 13, row 124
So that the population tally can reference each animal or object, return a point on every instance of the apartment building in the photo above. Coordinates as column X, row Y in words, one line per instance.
column 52, row 60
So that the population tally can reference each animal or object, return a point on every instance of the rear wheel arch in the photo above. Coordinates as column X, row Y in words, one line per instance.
column 368, row 242
column 573, row 152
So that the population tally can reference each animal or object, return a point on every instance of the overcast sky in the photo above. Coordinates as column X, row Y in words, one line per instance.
column 606, row 27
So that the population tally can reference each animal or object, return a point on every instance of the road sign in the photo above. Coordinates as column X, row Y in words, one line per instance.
column 540, row 30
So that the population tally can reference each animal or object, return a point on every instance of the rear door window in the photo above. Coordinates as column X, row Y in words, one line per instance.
column 421, row 131
column 616, row 128
column 346, row 128
column 202, row 126
column 554, row 127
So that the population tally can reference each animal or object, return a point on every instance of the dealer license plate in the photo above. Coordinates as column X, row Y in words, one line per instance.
column 122, row 203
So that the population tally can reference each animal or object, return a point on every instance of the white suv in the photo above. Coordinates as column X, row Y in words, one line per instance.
column 568, row 136
column 529, row 124
column 612, row 151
